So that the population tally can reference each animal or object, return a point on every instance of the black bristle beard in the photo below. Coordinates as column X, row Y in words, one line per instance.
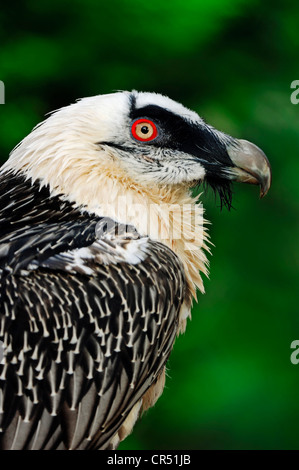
column 222, row 188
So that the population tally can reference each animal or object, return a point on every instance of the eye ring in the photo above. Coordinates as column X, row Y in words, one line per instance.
column 144, row 130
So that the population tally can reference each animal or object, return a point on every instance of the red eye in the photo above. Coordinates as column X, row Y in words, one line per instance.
column 144, row 130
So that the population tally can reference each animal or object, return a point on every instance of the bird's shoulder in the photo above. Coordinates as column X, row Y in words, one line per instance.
column 42, row 230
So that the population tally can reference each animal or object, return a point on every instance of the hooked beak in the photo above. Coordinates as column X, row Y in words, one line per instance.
column 252, row 165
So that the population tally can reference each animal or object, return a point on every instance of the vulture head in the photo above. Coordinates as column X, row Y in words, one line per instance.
column 146, row 139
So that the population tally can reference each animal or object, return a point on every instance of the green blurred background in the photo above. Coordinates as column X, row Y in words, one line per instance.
column 230, row 383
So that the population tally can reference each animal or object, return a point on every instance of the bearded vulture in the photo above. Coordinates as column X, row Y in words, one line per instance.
column 102, row 248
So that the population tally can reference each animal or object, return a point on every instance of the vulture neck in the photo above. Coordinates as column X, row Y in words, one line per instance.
column 168, row 214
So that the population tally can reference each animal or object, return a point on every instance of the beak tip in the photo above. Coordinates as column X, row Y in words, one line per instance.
column 266, row 180
column 262, row 193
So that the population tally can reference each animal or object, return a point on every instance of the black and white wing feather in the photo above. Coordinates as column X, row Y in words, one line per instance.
column 87, row 320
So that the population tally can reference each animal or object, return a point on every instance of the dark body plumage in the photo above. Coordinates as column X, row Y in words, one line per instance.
column 85, row 332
